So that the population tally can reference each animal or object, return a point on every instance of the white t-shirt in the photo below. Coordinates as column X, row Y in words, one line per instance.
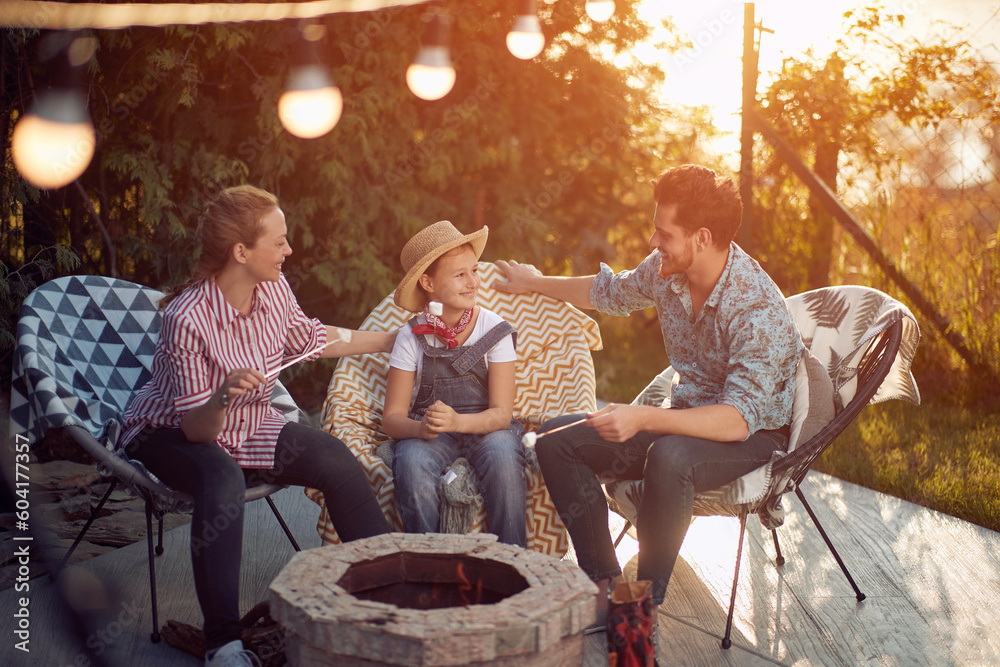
column 408, row 356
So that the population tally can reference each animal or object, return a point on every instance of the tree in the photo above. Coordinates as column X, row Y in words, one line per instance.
column 894, row 127
column 551, row 154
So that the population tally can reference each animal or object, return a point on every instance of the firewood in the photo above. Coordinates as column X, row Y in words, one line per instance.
column 261, row 634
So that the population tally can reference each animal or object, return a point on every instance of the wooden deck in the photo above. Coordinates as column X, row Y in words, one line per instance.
column 932, row 584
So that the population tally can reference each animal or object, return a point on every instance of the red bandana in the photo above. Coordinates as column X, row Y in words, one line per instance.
column 438, row 328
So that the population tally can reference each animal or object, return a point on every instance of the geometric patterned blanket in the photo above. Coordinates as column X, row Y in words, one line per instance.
column 554, row 376
column 85, row 345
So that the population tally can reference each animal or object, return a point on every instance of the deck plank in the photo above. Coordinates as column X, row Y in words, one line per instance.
column 123, row 637
column 930, row 581
column 932, row 584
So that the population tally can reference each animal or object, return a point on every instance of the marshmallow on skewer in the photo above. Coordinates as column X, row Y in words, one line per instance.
column 343, row 335
column 435, row 308
column 529, row 439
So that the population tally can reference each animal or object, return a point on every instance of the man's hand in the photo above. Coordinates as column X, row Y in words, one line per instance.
column 525, row 278
column 439, row 418
column 518, row 277
column 615, row 422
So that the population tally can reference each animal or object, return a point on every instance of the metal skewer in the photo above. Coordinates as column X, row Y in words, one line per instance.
column 343, row 336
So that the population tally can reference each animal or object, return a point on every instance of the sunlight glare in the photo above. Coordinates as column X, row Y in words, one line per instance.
column 713, row 538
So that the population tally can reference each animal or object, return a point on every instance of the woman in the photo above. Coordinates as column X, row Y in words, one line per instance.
column 205, row 419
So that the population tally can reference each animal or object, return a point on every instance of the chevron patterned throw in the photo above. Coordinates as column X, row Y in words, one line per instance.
column 555, row 376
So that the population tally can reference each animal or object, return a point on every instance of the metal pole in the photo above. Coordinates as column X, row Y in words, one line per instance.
column 746, row 233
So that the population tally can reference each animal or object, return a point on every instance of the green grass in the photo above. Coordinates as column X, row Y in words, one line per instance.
column 940, row 454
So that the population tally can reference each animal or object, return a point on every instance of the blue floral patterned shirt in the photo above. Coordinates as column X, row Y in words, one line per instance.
column 741, row 349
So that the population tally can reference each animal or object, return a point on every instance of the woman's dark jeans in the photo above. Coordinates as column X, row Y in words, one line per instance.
column 304, row 456
column 575, row 463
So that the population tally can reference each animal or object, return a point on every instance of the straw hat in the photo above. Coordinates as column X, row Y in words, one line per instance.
column 420, row 252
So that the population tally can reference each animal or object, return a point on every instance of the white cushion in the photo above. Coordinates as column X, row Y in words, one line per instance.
column 813, row 406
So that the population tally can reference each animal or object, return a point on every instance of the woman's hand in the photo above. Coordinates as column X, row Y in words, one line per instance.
column 439, row 418
column 348, row 342
column 238, row 383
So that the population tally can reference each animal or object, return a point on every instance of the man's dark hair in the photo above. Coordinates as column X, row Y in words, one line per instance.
column 703, row 199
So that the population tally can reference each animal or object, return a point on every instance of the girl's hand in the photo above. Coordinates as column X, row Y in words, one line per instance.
column 439, row 418
column 238, row 383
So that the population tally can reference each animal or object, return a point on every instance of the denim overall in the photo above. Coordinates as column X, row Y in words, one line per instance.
column 458, row 377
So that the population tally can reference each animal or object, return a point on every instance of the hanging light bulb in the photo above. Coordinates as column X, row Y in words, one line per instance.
column 600, row 10
column 311, row 104
column 525, row 39
column 432, row 76
column 54, row 142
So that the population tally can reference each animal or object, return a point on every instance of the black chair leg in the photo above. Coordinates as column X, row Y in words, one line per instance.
column 93, row 515
column 159, row 535
column 779, row 560
column 155, row 637
column 840, row 562
column 284, row 526
column 726, row 641
column 628, row 524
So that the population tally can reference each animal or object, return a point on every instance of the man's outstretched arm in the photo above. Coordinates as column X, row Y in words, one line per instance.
column 523, row 278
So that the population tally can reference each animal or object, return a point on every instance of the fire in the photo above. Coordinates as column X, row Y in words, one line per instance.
column 465, row 587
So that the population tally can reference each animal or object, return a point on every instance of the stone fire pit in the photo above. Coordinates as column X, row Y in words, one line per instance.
column 402, row 599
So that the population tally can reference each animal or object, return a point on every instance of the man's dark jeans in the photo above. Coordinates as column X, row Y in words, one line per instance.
column 576, row 461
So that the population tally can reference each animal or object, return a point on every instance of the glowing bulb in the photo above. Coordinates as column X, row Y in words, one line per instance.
column 525, row 39
column 431, row 76
column 53, row 144
column 600, row 10
column 311, row 106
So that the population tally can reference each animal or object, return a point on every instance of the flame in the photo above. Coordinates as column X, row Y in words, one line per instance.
column 465, row 586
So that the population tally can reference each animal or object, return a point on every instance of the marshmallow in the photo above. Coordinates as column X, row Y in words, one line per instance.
column 435, row 308
column 528, row 439
column 343, row 335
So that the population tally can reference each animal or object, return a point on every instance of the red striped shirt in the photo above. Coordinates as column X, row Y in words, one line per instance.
column 203, row 338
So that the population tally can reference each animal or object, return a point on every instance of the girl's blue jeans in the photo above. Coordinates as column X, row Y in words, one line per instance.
column 497, row 458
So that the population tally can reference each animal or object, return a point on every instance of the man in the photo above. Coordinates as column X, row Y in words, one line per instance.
column 730, row 337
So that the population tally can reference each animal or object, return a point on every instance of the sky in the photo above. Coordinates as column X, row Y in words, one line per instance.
column 711, row 73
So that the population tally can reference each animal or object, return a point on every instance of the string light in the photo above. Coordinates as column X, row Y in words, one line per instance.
column 53, row 143
column 432, row 76
column 525, row 39
column 311, row 104
column 600, row 10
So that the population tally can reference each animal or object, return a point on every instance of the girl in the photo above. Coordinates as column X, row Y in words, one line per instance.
column 450, row 388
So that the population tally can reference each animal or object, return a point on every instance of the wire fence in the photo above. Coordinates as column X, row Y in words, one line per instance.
column 908, row 137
